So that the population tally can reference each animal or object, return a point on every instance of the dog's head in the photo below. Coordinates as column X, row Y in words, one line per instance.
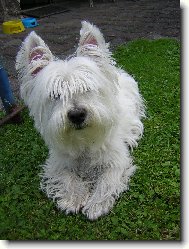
column 73, row 102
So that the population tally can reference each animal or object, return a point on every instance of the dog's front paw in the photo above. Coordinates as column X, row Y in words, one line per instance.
column 93, row 210
column 72, row 203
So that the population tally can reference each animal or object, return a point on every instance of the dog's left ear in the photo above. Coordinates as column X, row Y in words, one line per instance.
column 33, row 56
column 91, row 35
column 92, row 42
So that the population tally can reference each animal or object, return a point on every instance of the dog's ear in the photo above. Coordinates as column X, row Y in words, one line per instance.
column 90, row 35
column 92, row 44
column 33, row 55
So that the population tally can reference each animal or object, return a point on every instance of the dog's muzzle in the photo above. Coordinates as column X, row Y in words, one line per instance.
column 77, row 117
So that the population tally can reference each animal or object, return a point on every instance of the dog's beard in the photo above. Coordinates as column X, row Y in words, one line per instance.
column 73, row 138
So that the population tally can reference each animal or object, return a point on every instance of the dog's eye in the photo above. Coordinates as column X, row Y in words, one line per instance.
column 57, row 97
column 54, row 96
column 88, row 90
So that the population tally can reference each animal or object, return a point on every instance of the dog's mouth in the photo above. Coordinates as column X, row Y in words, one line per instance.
column 80, row 127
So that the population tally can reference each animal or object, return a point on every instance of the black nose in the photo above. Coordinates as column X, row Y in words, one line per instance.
column 77, row 116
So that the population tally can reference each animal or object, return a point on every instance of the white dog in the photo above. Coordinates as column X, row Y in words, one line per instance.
column 88, row 111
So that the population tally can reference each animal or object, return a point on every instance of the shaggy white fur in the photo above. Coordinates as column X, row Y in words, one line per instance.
column 89, row 113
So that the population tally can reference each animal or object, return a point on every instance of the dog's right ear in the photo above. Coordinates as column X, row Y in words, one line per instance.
column 33, row 55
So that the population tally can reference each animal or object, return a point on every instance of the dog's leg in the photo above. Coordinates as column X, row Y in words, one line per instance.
column 111, row 183
column 66, row 189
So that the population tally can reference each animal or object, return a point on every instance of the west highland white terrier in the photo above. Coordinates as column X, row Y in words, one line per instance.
column 89, row 113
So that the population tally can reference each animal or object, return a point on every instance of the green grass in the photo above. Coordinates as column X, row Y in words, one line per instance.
column 150, row 210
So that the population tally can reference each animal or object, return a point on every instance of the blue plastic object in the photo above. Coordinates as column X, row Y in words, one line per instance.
column 29, row 22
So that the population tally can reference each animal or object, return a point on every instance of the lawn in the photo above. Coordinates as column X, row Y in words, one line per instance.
column 150, row 210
